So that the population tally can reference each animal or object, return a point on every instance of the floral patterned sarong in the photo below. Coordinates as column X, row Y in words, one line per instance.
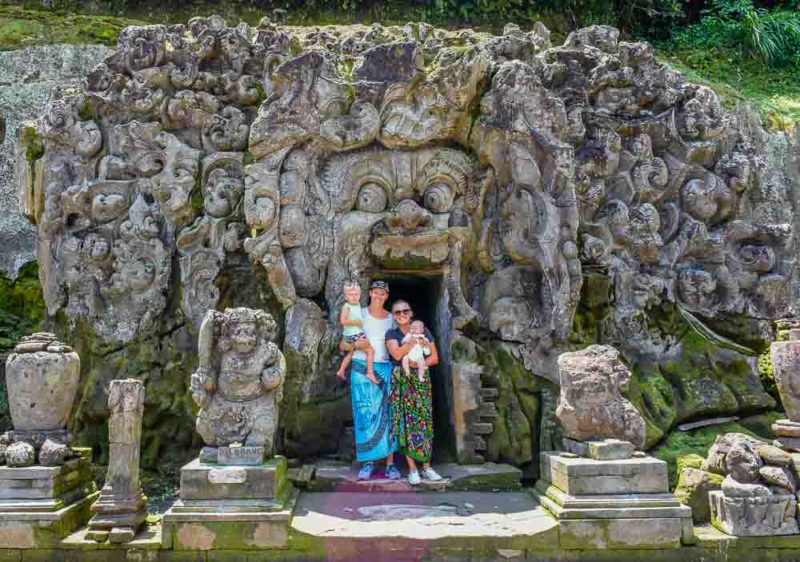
column 412, row 419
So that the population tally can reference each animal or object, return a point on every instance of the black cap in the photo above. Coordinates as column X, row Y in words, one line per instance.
column 379, row 285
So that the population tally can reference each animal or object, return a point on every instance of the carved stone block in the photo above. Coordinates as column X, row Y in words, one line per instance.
column 754, row 516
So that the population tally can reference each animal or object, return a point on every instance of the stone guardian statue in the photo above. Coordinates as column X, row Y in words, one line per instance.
column 238, row 384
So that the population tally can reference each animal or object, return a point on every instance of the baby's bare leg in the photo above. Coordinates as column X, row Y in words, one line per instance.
column 363, row 345
column 345, row 364
column 406, row 365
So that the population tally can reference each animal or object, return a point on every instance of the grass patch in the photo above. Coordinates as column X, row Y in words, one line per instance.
column 21, row 28
column 775, row 92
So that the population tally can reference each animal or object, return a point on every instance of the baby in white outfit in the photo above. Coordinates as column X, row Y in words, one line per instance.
column 418, row 352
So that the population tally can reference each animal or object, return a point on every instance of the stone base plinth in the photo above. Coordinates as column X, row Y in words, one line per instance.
column 580, row 476
column 207, row 481
column 231, row 507
column 612, row 504
column 30, row 526
column 45, row 488
column 754, row 517
column 40, row 505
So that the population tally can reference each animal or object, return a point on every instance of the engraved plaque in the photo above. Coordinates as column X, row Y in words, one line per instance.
column 240, row 455
column 227, row 476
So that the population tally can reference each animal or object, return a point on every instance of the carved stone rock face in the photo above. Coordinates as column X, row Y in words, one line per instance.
column 286, row 161
column 591, row 405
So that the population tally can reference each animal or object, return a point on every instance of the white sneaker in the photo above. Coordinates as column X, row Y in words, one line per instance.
column 431, row 474
column 413, row 478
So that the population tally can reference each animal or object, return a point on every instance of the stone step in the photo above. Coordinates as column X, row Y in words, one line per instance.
column 365, row 526
column 343, row 478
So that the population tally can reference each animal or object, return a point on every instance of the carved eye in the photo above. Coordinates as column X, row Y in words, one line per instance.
column 371, row 198
column 438, row 198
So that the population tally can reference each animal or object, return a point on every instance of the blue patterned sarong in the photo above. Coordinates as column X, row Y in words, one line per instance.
column 371, row 415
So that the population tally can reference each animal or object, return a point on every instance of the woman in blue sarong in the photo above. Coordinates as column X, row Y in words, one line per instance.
column 371, row 410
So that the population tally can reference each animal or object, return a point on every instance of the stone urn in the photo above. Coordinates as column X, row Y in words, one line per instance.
column 42, row 377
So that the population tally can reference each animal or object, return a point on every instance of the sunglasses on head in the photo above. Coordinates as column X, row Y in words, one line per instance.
column 402, row 311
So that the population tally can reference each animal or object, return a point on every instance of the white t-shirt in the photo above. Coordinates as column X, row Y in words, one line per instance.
column 376, row 329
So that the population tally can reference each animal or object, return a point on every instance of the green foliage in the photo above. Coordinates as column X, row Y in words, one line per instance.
column 697, row 441
column 21, row 306
column 774, row 92
column 771, row 36
column 22, row 28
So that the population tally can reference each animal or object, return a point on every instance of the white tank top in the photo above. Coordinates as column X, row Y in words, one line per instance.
column 376, row 329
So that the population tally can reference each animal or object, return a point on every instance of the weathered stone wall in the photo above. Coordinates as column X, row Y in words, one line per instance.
column 27, row 78
column 563, row 195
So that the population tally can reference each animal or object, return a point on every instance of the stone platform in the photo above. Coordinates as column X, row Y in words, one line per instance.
column 231, row 507
column 40, row 505
column 369, row 526
column 486, row 477
column 612, row 504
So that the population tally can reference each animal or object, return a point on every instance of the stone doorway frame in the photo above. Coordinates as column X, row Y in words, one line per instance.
column 439, row 321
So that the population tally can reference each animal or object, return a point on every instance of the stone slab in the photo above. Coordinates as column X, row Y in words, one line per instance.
column 201, row 481
column 479, row 477
column 581, row 476
column 607, row 449
column 482, row 520
column 788, row 443
column 28, row 530
column 190, row 529
column 633, row 506
column 148, row 538
column 640, row 533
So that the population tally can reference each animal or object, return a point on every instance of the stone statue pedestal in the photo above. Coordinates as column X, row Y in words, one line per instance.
column 40, row 505
column 231, row 507
column 612, row 504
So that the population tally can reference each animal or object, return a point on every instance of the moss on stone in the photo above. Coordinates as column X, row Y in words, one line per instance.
column 691, row 460
column 682, row 444
column 31, row 142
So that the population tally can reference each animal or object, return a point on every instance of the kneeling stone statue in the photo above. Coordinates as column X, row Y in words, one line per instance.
column 238, row 384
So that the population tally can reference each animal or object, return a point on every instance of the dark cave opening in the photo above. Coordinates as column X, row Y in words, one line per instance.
column 427, row 295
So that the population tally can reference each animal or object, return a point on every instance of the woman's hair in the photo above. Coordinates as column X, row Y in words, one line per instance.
column 401, row 301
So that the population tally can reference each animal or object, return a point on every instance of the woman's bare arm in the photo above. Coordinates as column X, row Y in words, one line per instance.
column 398, row 351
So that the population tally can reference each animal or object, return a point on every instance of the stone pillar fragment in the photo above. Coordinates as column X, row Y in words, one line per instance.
column 120, row 509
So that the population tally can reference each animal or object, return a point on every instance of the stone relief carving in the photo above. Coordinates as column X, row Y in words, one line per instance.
column 503, row 164
column 758, row 494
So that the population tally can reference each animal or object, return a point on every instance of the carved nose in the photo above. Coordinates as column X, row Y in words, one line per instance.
column 411, row 214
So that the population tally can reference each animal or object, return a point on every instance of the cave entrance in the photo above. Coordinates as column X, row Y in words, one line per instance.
column 427, row 295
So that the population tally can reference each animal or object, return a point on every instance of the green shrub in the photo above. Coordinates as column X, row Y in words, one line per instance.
column 772, row 36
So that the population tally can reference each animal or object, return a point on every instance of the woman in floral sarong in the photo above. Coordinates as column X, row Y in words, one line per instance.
column 411, row 402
